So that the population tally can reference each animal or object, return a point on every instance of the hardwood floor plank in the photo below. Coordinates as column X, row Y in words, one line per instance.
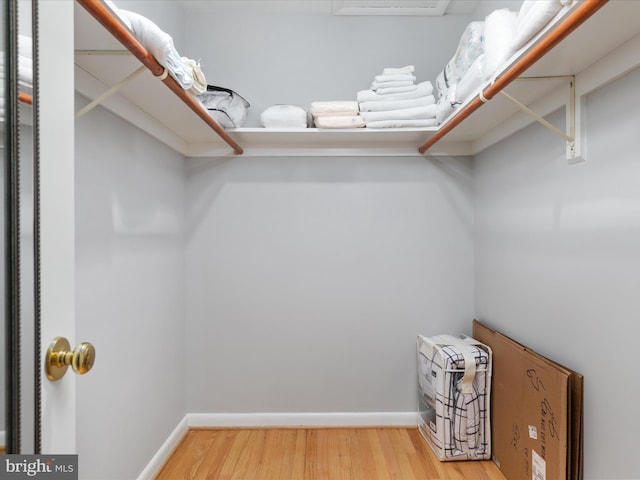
column 390, row 454
column 250, row 461
column 340, row 450
column 379, row 461
column 404, row 451
column 315, row 454
column 367, row 461
column 424, row 460
column 240, row 445
column 298, row 462
column 217, row 454
column 188, row 456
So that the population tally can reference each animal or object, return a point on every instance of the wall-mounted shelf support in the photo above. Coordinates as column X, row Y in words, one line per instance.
column 105, row 17
column 573, row 123
column 577, row 17
column 110, row 92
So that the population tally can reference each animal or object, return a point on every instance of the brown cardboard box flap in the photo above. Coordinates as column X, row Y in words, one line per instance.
column 536, row 411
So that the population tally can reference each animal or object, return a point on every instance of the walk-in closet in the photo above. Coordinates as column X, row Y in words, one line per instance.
column 278, row 276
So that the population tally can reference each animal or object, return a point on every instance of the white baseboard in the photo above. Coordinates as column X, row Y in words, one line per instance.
column 335, row 419
column 156, row 463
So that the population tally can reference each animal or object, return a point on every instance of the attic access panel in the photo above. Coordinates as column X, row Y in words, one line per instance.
column 390, row 7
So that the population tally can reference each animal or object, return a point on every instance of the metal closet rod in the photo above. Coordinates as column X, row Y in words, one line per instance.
column 568, row 25
column 103, row 15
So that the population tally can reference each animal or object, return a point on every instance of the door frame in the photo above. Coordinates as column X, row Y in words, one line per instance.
column 55, row 104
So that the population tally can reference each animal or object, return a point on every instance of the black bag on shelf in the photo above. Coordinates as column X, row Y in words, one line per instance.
column 227, row 107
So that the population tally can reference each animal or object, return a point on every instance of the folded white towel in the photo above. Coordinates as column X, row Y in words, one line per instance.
column 422, row 89
column 334, row 106
column 390, row 90
column 380, row 106
column 394, row 77
column 399, row 83
column 395, row 71
column 352, row 121
column 402, row 114
column 419, row 123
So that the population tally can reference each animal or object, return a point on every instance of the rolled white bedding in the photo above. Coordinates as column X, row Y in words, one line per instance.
column 160, row 45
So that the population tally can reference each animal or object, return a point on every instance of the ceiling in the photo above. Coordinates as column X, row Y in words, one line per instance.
column 341, row 7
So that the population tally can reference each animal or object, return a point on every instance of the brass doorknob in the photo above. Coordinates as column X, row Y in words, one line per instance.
column 59, row 356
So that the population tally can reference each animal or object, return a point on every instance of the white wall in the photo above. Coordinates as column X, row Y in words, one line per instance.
column 129, row 294
column 308, row 279
column 557, row 261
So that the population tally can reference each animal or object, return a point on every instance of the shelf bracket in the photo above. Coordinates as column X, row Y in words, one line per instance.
column 110, row 92
column 574, row 123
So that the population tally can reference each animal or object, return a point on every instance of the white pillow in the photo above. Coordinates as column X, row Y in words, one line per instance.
column 533, row 15
column 284, row 116
column 499, row 30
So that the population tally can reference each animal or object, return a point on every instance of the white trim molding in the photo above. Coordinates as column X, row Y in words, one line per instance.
column 331, row 419
column 165, row 451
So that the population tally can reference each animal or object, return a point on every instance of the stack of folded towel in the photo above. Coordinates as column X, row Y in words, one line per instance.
column 395, row 101
column 336, row 114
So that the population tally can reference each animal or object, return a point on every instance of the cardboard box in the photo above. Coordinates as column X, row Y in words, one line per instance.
column 537, row 422
column 454, row 385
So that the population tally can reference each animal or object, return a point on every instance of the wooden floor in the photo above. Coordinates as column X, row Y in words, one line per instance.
column 315, row 453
